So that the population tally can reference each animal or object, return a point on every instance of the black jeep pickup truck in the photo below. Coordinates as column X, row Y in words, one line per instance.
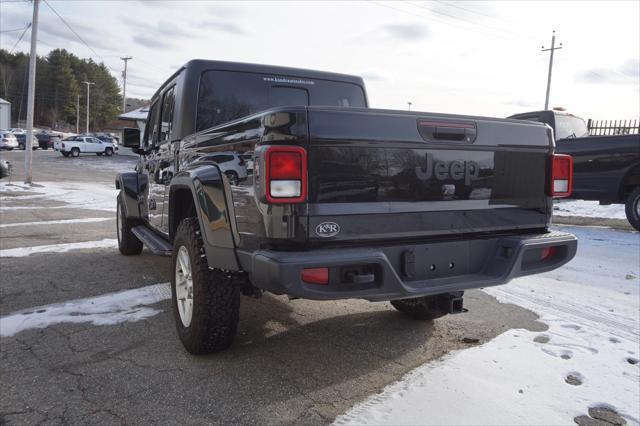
column 605, row 168
column 343, row 202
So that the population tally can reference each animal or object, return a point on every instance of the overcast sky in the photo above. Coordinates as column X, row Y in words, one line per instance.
column 443, row 56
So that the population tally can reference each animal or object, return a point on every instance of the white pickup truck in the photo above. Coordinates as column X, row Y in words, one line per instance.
column 76, row 145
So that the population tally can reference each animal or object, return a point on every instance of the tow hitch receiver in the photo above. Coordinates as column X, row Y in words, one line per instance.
column 450, row 303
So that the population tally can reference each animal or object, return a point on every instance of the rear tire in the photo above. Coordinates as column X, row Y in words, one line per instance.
column 21, row 146
column 632, row 208
column 75, row 152
column 128, row 243
column 215, row 301
column 420, row 308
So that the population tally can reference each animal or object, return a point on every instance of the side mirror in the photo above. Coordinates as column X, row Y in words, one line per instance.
column 131, row 137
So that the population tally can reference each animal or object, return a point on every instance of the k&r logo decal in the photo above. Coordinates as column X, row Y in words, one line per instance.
column 327, row 229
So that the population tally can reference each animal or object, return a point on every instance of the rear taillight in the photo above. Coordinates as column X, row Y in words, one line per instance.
column 285, row 174
column 561, row 176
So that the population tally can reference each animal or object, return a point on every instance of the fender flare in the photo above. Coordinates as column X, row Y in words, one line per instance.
column 214, row 208
column 131, row 185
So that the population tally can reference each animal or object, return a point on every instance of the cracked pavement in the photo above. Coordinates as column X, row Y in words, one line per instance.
column 293, row 362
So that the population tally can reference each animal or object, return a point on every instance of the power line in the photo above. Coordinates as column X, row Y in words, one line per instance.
column 442, row 22
column 20, row 38
column 478, row 13
column 78, row 35
column 15, row 29
column 468, row 21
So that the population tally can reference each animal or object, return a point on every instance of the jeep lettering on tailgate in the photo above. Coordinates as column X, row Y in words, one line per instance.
column 456, row 170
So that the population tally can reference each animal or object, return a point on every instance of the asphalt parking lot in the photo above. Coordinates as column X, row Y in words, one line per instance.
column 293, row 362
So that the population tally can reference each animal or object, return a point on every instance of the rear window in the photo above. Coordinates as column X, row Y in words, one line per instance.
column 569, row 126
column 227, row 95
column 222, row 158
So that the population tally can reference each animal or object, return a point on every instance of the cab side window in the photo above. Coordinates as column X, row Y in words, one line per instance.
column 166, row 124
column 151, row 131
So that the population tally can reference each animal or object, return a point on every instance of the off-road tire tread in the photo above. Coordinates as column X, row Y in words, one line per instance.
column 417, row 308
column 629, row 208
column 216, row 308
column 129, row 244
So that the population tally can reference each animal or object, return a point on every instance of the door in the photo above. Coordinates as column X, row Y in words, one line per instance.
column 155, row 194
column 94, row 145
column 165, row 166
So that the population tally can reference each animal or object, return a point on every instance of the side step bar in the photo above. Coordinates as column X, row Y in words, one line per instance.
column 153, row 241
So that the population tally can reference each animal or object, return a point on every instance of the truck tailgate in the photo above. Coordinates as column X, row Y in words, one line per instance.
column 381, row 175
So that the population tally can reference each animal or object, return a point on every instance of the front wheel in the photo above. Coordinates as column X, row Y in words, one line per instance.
column 632, row 208
column 108, row 152
column 206, row 303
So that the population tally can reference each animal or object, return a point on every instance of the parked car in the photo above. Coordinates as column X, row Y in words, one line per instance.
column 8, row 140
column 107, row 138
column 605, row 168
column 22, row 141
column 470, row 207
column 46, row 140
column 76, row 145
column 17, row 131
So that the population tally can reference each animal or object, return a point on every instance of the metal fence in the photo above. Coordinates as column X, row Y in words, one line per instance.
column 612, row 127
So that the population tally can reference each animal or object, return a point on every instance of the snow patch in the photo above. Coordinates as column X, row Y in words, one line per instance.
column 58, row 248
column 583, row 208
column 592, row 308
column 109, row 309
column 78, row 195
column 56, row 222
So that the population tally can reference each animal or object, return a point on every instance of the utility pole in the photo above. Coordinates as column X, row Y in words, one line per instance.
column 88, row 83
column 124, row 84
column 409, row 103
column 78, row 114
column 553, row 47
column 33, row 58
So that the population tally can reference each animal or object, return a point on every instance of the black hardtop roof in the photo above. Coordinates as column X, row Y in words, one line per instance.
column 197, row 66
